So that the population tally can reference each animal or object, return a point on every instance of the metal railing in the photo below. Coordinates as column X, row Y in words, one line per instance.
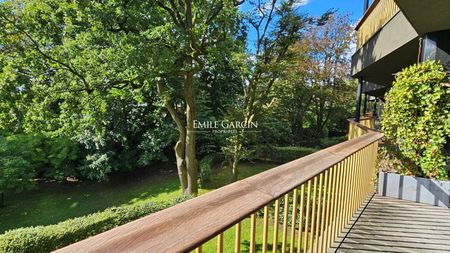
column 300, row 206
column 379, row 13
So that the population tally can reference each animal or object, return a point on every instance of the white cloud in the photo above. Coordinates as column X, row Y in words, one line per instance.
column 301, row 3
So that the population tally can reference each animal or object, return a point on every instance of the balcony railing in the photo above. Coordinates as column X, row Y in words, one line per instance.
column 365, row 125
column 300, row 206
column 379, row 13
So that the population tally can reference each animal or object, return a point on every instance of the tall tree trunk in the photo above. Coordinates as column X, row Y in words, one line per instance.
column 180, row 146
column 189, row 97
column 190, row 151
column 181, row 164
column 234, row 168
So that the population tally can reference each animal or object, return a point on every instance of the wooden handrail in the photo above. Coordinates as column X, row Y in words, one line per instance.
column 365, row 125
column 184, row 227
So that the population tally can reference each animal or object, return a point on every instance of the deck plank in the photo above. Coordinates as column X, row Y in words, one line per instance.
column 392, row 225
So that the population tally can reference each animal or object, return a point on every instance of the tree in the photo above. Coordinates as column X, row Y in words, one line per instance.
column 277, row 25
column 75, row 59
column 205, row 27
column 293, row 94
column 313, row 94
column 71, row 70
column 16, row 172
column 329, row 45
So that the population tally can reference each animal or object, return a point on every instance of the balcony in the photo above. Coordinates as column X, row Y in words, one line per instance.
column 379, row 13
column 322, row 202
column 390, row 37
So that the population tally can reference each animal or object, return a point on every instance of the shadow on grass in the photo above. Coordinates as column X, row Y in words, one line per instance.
column 221, row 174
column 54, row 202
column 258, row 247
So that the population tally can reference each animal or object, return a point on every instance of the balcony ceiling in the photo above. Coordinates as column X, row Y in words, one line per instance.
column 382, row 72
column 426, row 16
column 391, row 49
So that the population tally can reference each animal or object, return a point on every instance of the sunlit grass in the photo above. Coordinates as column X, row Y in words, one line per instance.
column 54, row 202
column 229, row 238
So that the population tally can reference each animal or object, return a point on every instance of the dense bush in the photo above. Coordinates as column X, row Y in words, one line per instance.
column 42, row 239
column 390, row 159
column 417, row 117
column 331, row 141
column 206, row 164
column 283, row 154
column 25, row 156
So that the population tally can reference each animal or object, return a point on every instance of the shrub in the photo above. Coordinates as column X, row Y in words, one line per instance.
column 417, row 116
column 283, row 154
column 391, row 160
column 331, row 141
column 49, row 157
column 206, row 165
column 42, row 239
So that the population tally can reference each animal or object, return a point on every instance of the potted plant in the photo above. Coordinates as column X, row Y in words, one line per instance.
column 416, row 123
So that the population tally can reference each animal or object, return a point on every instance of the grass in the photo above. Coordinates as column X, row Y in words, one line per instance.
column 55, row 202
column 229, row 238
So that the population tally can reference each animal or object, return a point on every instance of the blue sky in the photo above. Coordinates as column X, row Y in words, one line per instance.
column 317, row 7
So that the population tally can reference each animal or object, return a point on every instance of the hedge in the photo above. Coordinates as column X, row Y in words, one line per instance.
column 284, row 154
column 417, row 117
column 42, row 239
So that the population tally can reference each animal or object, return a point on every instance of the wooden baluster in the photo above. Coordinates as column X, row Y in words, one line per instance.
column 237, row 238
column 275, row 226
column 344, row 195
column 294, row 220
column 265, row 228
column 252, row 232
column 313, row 215
column 300, row 218
column 325, row 211
column 285, row 223
column 220, row 243
column 348, row 191
column 319, row 213
column 335, row 202
column 308, row 214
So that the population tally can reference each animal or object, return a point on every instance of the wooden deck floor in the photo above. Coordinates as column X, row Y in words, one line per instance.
column 392, row 225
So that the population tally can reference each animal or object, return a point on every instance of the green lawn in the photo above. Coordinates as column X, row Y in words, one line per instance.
column 55, row 202
column 229, row 238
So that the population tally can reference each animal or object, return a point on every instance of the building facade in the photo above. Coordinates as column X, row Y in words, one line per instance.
column 394, row 34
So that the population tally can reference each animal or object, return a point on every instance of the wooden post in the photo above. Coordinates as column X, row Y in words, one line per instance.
column 365, row 104
column 358, row 100
column 375, row 107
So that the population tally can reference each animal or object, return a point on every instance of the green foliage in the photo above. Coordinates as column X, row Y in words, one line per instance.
column 283, row 154
column 87, row 70
column 42, row 239
column 331, row 141
column 417, row 117
column 24, row 156
column 17, row 167
column 390, row 159
column 206, row 165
